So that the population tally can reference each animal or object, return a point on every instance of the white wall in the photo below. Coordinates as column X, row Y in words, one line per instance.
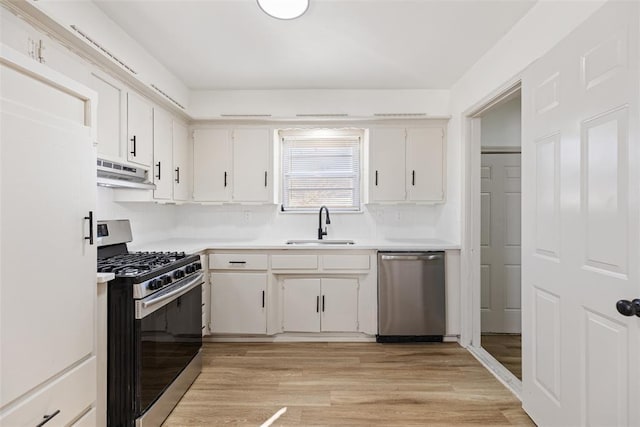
column 149, row 221
column 502, row 125
column 96, row 24
column 537, row 32
column 210, row 104
column 246, row 222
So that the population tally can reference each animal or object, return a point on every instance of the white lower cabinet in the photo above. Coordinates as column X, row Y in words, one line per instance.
column 238, row 303
column 320, row 305
column 63, row 400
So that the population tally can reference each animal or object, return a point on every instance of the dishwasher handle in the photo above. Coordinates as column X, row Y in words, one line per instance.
column 425, row 257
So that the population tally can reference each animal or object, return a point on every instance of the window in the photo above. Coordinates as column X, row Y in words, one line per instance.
column 321, row 168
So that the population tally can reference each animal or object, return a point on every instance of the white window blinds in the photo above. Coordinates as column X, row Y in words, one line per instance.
column 318, row 172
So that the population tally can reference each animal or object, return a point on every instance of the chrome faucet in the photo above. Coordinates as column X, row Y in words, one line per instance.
column 320, row 232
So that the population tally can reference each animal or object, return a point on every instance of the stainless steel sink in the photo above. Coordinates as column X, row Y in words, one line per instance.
column 320, row 242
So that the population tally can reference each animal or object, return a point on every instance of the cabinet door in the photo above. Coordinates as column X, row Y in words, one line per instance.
column 339, row 305
column 110, row 115
column 162, row 155
column 211, row 165
column 301, row 305
column 139, row 130
column 238, row 303
column 425, row 164
column 387, row 171
column 46, row 324
column 251, row 165
column 181, row 174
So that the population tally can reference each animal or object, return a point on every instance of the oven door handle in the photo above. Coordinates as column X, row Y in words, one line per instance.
column 183, row 289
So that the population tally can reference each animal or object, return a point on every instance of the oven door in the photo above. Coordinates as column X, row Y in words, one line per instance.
column 168, row 336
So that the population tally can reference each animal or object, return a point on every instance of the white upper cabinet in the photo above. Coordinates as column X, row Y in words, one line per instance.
column 162, row 155
column 139, row 130
column 232, row 165
column 251, row 165
column 407, row 165
column 425, row 164
column 181, row 162
column 387, row 148
column 212, row 165
column 111, row 97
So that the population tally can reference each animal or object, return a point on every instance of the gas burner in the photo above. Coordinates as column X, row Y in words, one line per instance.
column 137, row 263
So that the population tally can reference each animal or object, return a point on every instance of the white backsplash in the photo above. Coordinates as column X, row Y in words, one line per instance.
column 152, row 222
column 149, row 221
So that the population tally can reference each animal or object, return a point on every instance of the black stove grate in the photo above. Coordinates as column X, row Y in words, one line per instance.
column 137, row 263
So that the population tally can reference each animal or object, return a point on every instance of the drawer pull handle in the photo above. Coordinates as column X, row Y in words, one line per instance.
column 237, row 262
column 323, row 303
column 318, row 304
column 48, row 418
column 263, row 295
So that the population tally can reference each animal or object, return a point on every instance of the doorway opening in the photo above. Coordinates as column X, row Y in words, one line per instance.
column 500, row 283
column 492, row 331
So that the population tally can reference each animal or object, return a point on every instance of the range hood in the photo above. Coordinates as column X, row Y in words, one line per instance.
column 119, row 175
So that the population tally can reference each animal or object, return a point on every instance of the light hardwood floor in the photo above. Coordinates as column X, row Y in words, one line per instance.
column 507, row 349
column 345, row 384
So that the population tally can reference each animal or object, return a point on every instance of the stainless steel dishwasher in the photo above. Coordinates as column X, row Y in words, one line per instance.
column 411, row 297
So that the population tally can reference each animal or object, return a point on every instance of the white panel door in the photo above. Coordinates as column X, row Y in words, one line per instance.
column 251, row 165
column 339, row 305
column 500, row 243
column 387, row 164
column 301, row 305
column 139, row 130
column 581, row 234
column 47, row 268
column 211, row 165
column 425, row 164
column 162, row 155
column 181, row 174
column 238, row 303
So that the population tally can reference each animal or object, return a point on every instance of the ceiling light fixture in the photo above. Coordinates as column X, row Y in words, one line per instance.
column 284, row 9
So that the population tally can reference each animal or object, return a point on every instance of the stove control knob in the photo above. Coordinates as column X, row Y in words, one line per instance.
column 178, row 274
column 165, row 280
column 155, row 284
column 190, row 269
column 198, row 266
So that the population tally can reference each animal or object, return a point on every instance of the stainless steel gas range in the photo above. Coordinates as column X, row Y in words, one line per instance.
column 154, row 326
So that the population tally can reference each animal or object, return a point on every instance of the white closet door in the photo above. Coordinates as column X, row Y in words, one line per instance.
column 47, row 268
column 581, row 225
column 500, row 243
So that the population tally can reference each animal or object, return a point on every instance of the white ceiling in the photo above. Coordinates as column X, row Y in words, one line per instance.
column 337, row 44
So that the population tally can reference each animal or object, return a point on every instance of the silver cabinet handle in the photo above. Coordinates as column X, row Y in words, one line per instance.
column 412, row 257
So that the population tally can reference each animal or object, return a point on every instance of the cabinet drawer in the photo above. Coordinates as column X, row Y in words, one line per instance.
column 71, row 394
column 87, row 420
column 345, row 262
column 294, row 262
column 238, row 262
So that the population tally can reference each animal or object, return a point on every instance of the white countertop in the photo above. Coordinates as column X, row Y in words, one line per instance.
column 105, row 277
column 198, row 245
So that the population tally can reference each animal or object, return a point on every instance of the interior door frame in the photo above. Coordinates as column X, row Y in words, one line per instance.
column 471, row 225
